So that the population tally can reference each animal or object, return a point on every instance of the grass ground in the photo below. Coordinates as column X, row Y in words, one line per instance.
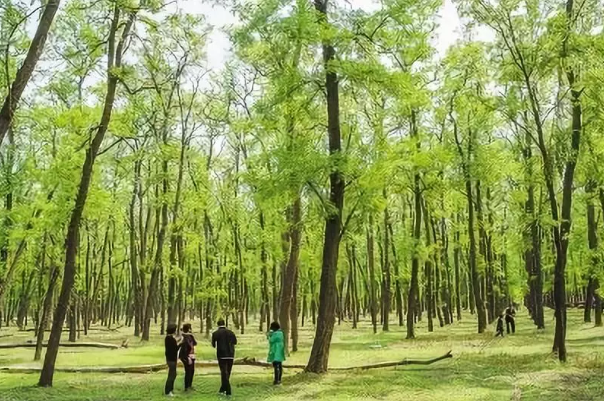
column 519, row 367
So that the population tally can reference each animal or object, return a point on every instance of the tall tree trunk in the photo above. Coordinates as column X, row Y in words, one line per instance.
column 319, row 356
column 291, row 269
column 429, row 273
column 294, row 315
column 371, row 274
column 456, row 262
column 71, row 240
column 265, row 305
column 46, row 310
column 386, row 279
column 26, row 70
column 134, row 276
column 592, row 238
column 532, row 255
column 412, row 307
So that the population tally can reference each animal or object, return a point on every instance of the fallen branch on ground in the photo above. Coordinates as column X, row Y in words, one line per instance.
column 66, row 345
column 400, row 363
column 204, row 364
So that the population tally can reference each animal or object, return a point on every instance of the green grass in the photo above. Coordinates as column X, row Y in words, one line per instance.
column 519, row 367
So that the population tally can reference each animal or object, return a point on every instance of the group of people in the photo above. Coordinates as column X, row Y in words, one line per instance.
column 510, row 322
column 224, row 341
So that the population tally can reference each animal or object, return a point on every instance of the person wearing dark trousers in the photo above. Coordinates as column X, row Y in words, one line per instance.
column 187, row 355
column 499, row 326
column 171, row 352
column 224, row 340
column 276, row 351
column 509, row 320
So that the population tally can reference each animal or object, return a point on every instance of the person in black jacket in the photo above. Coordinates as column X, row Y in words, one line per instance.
column 171, row 358
column 187, row 355
column 224, row 340
column 510, row 322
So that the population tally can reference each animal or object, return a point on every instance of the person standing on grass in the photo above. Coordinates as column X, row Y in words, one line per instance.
column 187, row 355
column 224, row 340
column 276, row 351
column 171, row 352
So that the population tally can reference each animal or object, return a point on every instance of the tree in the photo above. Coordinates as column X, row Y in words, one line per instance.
column 333, row 223
column 115, row 52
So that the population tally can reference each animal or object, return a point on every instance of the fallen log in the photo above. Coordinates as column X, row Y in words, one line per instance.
column 254, row 362
column 399, row 363
column 142, row 369
column 65, row 345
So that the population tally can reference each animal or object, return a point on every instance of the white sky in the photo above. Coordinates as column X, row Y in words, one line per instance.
column 218, row 48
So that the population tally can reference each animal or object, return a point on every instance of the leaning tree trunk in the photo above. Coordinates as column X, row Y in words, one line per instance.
column 46, row 309
column 71, row 240
column 27, row 68
column 319, row 356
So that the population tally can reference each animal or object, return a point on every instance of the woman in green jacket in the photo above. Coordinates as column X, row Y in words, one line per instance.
column 276, row 351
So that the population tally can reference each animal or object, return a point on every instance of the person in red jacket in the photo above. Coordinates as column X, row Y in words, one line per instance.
column 187, row 355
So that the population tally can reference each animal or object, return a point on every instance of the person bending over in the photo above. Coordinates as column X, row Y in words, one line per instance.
column 224, row 340
column 510, row 322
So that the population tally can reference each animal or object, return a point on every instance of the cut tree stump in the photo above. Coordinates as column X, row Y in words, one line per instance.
column 204, row 364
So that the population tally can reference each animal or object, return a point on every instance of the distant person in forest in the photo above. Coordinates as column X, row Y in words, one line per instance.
column 187, row 355
column 499, row 326
column 224, row 340
column 510, row 323
column 276, row 351
column 171, row 346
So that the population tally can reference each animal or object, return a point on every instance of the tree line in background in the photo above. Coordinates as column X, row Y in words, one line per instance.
column 336, row 168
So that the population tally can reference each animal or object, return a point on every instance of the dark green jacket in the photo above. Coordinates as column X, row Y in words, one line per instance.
column 276, row 342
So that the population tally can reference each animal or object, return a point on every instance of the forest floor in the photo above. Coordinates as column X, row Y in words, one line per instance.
column 517, row 367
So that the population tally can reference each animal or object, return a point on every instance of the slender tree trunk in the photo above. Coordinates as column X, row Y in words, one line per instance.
column 294, row 315
column 319, row 356
column 291, row 269
column 592, row 238
column 26, row 70
column 386, row 278
column 371, row 274
column 71, row 241
column 46, row 310
column 413, row 307
column 265, row 306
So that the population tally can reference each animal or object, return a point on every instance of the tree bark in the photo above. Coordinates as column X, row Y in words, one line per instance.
column 71, row 240
column 592, row 239
column 319, row 356
column 417, row 227
column 291, row 269
column 26, row 70
column 371, row 274
column 386, row 278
